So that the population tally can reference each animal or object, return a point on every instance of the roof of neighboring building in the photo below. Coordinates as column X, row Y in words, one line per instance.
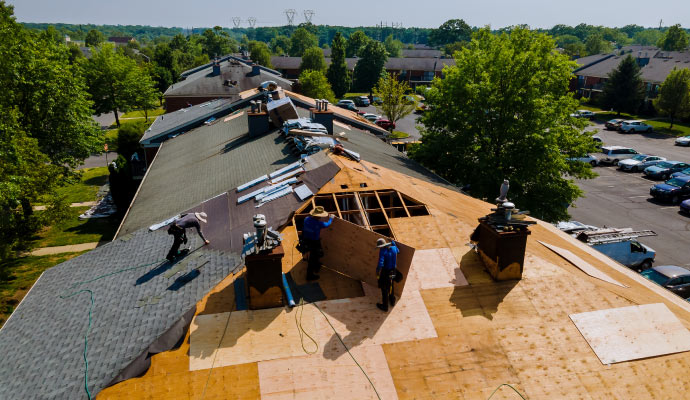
column 635, row 48
column 396, row 63
column 408, row 53
column 120, row 39
column 658, row 69
column 204, row 83
column 584, row 62
column 602, row 68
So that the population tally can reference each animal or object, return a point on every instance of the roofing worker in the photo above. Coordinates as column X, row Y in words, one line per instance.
column 386, row 272
column 178, row 229
column 311, row 235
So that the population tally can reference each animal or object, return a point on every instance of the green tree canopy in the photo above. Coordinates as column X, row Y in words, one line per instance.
column 393, row 46
column 675, row 39
column 260, row 53
column 217, row 43
column 355, row 43
column 503, row 113
column 300, row 41
column 94, row 38
column 315, row 85
column 451, row 48
column 674, row 95
column 313, row 60
column 280, row 45
column 451, row 31
column 370, row 66
column 624, row 90
column 596, row 44
column 648, row 37
column 338, row 75
column 392, row 92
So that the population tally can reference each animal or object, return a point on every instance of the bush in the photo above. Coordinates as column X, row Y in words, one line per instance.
column 128, row 138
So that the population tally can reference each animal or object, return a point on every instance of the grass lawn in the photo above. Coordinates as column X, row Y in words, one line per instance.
column 75, row 231
column 140, row 113
column 398, row 135
column 87, row 187
column 353, row 94
column 19, row 275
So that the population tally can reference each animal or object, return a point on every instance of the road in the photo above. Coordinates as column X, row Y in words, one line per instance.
column 620, row 199
column 407, row 124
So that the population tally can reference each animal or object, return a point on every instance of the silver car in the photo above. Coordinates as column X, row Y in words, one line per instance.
column 639, row 162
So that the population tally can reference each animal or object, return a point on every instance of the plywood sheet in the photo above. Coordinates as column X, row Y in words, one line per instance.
column 434, row 268
column 315, row 377
column 259, row 335
column 583, row 265
column 631, row 333
column 351, row 250
column 418, row 232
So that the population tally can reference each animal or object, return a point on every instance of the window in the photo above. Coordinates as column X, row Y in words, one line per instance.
column 372, row 209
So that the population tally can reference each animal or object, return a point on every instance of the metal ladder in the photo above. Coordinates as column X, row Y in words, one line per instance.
column 592, row 237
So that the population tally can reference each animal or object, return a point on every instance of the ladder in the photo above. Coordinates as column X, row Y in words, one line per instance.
column 612, row 235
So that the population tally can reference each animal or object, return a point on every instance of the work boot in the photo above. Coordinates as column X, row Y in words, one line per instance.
column 382, row 307
column 391, row 299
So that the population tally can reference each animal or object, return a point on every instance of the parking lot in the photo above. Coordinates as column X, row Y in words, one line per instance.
column 406, row 124
column 621, row 199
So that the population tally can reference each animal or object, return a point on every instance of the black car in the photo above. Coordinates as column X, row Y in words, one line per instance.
column 674, row 278
column 673, row 190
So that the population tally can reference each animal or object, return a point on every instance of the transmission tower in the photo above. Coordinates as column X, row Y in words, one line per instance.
column 308, row 14
column 290, row 14
column 251, row 21
column 237, row 21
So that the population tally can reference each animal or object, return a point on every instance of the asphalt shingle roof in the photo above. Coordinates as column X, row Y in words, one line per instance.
column 42, row 343
column 658, row 69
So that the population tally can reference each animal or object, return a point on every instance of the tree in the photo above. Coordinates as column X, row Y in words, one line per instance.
column 260, row 53
column 624, row 90
column 392, row 92
column 674, row 95
column 280, row 45
column 451, row 31
column 313, row 60
column 217, row 43
column 113, row 81
column 502, row 112
column 355, row 43
column 300, row 41
column 393, row 46
column 338, row 75
column 315, row 85
column 146, row 96
column 94, row 38
column 128, row 137
column 596, row 44
column 675, row 39
column 370, row 66
column 451, row 48
column 648, row 37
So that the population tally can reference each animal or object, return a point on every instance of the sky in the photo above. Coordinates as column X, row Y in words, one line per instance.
column 497, row 13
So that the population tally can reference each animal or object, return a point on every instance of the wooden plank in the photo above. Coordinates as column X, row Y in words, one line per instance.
column 583, row 265
column 314, row 377
column 630, row 333
column 435, row 268
column 419, row 232
column 351, row 250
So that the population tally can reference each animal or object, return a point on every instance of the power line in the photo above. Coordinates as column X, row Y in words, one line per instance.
column 237, row 21
column 308, row 14
column 290, row 14
column 251, row 21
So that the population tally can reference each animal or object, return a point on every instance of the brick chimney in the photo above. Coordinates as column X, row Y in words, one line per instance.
column 256, row 70
column 257, row 120
column 322, row 115
column 216, row 67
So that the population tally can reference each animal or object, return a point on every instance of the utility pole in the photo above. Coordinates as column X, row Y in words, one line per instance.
column 290, row 14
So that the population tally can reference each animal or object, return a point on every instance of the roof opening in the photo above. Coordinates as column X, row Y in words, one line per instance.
column 362, row 184
column 343, row 186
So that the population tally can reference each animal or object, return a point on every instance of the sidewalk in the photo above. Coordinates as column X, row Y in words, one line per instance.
column 72, row 248
column 83, row 204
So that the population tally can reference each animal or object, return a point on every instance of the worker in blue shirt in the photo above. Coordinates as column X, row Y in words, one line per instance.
column 386, row 272
column 311, row 236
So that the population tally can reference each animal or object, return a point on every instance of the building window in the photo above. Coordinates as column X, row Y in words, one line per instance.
column 428, row 76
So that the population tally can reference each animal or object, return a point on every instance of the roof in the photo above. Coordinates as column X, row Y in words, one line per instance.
column 204, row 83
column 583, row 62
column 399, row 63
column 602, row 68
column 658, row 69
column 454, row 332
column 408, row 53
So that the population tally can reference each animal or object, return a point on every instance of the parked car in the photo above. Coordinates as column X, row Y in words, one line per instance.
column 639, row 162
column 614, row 124
column 673, row 190
column 685, row 207
column 361, row 101
column 371, row 117
column 632, row 126
column 587, row 158
column 664, row 169
column 683, row 141
column 410, row 99
column 613, row 154
column 348, row 106
column 375, row 100
column 582, row 114
column 385, row 124
column 686, row 171
column 597, row 141
column 344, row 101
column 628, row 252
column 574, row 227
column 672, row 277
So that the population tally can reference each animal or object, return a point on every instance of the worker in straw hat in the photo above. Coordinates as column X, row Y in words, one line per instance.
column 386, row 272
column 311, row 236
column 179, row 227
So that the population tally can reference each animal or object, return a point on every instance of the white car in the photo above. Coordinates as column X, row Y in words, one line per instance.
column 639, row 162
column 583, row 114
column 635, row 126
column 683, row 141
column 371, row 117
column 613, row 154
column 345, row 102
column 589, row 159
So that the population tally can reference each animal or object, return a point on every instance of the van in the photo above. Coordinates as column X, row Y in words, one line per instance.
column 613, row 154
column 622, row 246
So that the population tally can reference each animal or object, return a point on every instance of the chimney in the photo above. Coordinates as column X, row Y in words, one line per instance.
column 216, row 68
column 257, row 120
column 322, row 115
column 256, row 70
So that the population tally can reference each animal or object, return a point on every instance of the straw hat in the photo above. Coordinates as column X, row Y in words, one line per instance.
column 318, row 212
column 201, row 216
column 381, row 242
